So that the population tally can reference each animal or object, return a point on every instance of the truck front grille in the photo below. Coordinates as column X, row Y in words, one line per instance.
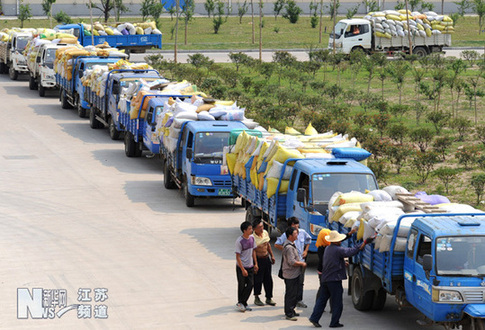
column 221, row 183
column 473, row 296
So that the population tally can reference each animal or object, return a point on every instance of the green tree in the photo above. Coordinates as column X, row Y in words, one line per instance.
column 63, row 18
column 210, row 6
column 462, row 125
column 47, row 9
column 420, row 109
column 242, row 10
column 105, row 6
column 467, row 155
column 478, row 184
column 479, row 9
column 217, row 19
column 399, row 155
column 480, row 132
column 200, row 61
column 188, row 9
column 313, row 13
column 119, row 8
column 292, row 11
column 380, row 121
column 398, row 132
column 439, row 119
column 446, row 176
column 441, row 145
column 278, row 7
column 462, row 5
column 398, row 71
column 455, row 69
column 145, row 8
column 422, row 137
column 25, row 13
column 423, row 163
column 352, row 11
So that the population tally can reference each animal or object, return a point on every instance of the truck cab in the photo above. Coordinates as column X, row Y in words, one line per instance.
column 351, row 35
column 18, row 62
column 196, row 164
column 312, row 184
column 444, row 268
column 42, row 75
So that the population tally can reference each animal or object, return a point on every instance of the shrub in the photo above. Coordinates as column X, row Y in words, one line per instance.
column 442, row 145
column 292, row 11
column 424, row 163
column 422, row 136
column 445, row 175
column 462, row 125
column 399, row 154
column 468, row 155
column 478, row 184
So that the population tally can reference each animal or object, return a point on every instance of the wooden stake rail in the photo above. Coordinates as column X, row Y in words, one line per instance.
column 418, row 204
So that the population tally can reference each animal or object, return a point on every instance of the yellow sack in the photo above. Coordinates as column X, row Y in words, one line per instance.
column 260, row 181
column 291, row 131
column 139, row 30
column 239, row 142
column 231, row 162
column 96, row 33
column 393, row 17
column 68, row 41
column 353, row 197
column 360, row 232
column 387, row 35
column 310, row 130
column 273, row 184
column 420, row 27
column 428, row 32
column 204, row 107
column 380, row 34
column 403, row 11
column 228, row 103
column 109, row 31
column 283, row 154
column 342, row 209
column 253, row 175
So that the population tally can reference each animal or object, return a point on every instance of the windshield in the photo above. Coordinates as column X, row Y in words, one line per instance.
column 339, row 30
column 460, row 256
column 22, row 42
column 325, row 185
column 50, row 56
column 208, row 147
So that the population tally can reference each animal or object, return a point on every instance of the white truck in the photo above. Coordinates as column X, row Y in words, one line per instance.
column 358, row 34
column 12, row 59
column 41, row 67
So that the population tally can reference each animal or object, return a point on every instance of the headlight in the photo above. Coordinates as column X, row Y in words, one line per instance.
column 447, row 296
column 201, row 181
column 315, row 229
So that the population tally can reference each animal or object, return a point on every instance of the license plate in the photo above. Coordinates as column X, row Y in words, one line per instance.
column 224, row 192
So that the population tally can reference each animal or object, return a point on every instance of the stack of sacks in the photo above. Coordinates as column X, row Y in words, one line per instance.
column 6, row 34
column 32, row 48
column 340, row 204
column 99, row 29
column 458, row 208
column 391, row 23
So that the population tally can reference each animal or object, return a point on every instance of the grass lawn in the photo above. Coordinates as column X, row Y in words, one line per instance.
column 277, row 34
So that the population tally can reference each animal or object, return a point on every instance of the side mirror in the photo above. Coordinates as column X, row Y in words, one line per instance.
column 149, row 118
column 301, row 195
column 189, row 153
column 116, row 89
column 427, row 262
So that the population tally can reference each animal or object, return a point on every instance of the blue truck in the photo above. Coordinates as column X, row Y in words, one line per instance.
column 131, row 43
column 71, row 92
column 195, row 165
column 140, row 132
column 312, row 183
column 441, row 272
column 104, row 110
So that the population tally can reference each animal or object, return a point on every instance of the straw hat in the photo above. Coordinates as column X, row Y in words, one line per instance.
column 335, row 237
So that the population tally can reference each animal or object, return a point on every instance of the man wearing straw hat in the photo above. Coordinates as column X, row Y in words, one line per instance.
column 333, row 272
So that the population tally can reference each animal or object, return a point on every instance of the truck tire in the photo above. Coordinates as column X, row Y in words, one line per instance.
column 41, row 91
column 132, row 148
column 114, row 134
column 63, row 98
column 379, row 299
column 168, row 182
column 189, row 199
column 93, row 122
column 420, row 51
column 3, row 68
column 361, row 299
column 32, row 83
column 81, row 112
column 12, row 73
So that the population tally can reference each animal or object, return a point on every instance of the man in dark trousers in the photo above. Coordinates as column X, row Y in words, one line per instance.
column 292, row 269
column 246, row 265
column 333, row 272
column 266, row 259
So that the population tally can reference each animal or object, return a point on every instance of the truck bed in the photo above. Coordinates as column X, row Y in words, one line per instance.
column 136, row 40
column 394, row 42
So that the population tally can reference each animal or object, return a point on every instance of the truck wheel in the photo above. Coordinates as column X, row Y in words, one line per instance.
column 32, row 83
column 168, row 182
column 64, row 103
column 361, row 299
column 131, row 147
column 41, row 91
column 81, row 112
column 189, row 199
column 3, row 68
column 379, row 299
column 420, row 51
column 93, row 122
column 114, row 134
column 474, row 324
column 12, row 73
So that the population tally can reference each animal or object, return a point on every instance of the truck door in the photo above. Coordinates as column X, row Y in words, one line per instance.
column 422, row 286
column 409, row 257
column 149, row 136
column 299, row 210
column 112, row 98
column 358, row 35
column 186, row 144
column 78, row 74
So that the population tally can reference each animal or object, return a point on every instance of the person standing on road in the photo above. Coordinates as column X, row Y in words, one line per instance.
column 246, row 266
column 265, row 258
column 333, row 272
column 292, row 267
column 302, row 244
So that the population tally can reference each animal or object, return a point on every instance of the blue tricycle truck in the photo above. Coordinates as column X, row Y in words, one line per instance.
column 131, row 43
column 195, row 166
column 441, row 272
column 312, row 183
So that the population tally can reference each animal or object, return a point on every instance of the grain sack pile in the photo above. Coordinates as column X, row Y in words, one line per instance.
column 99, row 29
column 391, row 23
column 262, row 159
column 376, row 213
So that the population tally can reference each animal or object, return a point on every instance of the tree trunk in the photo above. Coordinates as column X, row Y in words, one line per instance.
column 252, row 21
column 260, row 31
column 321, row 22
column 186, row 28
